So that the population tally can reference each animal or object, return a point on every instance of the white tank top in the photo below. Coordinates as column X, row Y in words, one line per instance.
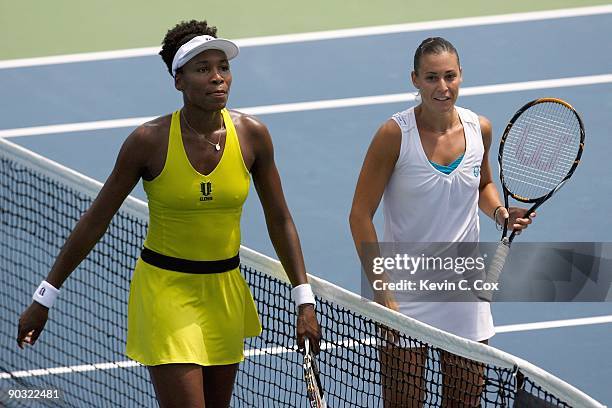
column 422, row 204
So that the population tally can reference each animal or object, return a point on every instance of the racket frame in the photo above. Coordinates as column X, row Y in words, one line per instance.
column 314, row 389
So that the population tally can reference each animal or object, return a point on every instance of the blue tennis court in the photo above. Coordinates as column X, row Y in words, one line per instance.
column 320, row 146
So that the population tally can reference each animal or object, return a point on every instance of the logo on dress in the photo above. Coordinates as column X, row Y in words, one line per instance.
column 206, row 190
column 476, row 170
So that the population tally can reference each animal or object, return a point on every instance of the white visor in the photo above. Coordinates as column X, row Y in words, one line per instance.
column 199, row 44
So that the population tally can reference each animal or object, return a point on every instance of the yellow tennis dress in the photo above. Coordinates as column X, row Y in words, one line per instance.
column 200, row 318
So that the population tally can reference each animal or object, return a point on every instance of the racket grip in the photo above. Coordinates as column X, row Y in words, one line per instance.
column 495, row 269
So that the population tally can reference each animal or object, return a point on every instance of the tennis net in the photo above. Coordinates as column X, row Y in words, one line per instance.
column 367, row 350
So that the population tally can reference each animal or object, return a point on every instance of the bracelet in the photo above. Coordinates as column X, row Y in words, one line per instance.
column 45, row 294
column 498, row 226
column 302, row 294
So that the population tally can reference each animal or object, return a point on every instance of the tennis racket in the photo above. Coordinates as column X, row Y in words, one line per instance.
column 538, row 152
column 314, row 390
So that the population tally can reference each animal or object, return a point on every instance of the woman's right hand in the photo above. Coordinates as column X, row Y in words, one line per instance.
column 387, row 299
column 31, row 323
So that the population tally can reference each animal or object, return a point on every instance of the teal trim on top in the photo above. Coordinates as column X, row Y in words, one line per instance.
column 447, row 169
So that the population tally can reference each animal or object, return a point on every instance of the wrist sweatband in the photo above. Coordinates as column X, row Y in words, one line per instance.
column 46, row 294
column 302, row 294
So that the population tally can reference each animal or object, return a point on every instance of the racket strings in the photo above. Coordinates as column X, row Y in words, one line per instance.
column 550, row 173
column 540, row 149
column 545, row 130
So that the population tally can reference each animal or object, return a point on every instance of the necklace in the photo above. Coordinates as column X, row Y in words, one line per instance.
column 217, row 145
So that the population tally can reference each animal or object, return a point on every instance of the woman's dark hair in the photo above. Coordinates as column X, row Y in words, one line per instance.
column 180, row 34
column 433, row 45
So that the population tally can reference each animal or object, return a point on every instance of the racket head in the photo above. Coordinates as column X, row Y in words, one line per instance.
column 540, row 149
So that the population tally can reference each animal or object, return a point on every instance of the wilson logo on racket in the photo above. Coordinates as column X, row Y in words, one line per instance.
column 538, row 152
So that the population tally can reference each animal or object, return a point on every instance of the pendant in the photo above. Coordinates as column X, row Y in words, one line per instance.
column 217, row 147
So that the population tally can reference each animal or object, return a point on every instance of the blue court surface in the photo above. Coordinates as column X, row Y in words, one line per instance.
column 319, row 151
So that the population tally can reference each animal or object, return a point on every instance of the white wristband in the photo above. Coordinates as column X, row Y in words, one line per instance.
column 303, row 294
column 45, row 294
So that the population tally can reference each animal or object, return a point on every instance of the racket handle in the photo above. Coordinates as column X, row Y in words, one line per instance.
column 495, row 269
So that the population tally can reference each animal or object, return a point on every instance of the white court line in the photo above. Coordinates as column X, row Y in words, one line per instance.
column 585, row 321
column 314, row 105
column 282, row 350
column 326, row 35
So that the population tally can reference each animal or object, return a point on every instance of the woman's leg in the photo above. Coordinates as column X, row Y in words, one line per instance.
column 178, row 385
column 463, row 379
column 193, row 386
column 219, row 384
column 402, row 373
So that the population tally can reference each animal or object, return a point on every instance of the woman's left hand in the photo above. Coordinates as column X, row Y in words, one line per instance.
column 308, row 326
column 517, row 218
